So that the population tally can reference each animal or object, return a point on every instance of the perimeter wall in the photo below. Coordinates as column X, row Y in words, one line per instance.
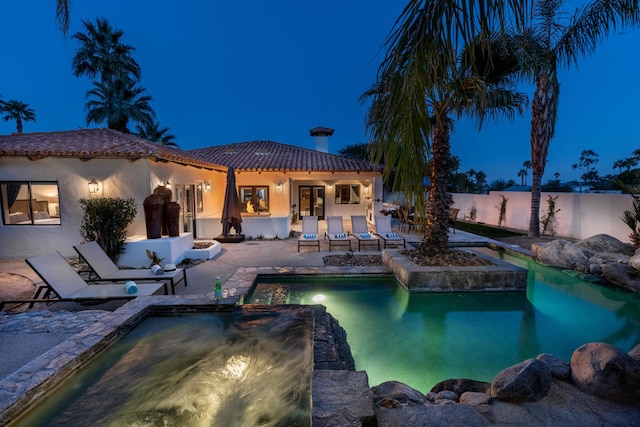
column 581, row 215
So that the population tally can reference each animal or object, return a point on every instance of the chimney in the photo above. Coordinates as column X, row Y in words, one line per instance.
column 322, row 138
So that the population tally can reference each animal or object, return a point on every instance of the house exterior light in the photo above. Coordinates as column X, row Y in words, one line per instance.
column 94, row 186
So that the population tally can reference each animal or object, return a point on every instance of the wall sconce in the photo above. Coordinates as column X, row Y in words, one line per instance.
column 94, row 187
column 166, row 183
column 366, row 190
column 207, row 186
column 279, row 187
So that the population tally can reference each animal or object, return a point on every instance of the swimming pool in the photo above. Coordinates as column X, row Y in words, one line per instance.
column 421, row 339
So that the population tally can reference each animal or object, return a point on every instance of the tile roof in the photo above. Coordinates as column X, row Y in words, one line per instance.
column 273, row 156
column 87, row 144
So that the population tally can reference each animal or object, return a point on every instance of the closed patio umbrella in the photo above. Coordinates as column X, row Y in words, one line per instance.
column 231, row 208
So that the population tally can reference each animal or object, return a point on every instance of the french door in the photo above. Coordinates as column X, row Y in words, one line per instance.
column 185, row 196
column 311, row 200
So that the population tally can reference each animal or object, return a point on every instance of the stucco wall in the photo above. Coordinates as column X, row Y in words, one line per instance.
column 581, row 214
column 116, row 177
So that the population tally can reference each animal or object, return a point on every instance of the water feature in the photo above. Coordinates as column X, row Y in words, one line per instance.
column 421, row 339
column 232, row 369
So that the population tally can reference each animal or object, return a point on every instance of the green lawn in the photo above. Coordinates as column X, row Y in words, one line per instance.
column 486, row 230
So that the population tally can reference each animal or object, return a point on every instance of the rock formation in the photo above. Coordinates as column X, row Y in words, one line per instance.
column 601, row 256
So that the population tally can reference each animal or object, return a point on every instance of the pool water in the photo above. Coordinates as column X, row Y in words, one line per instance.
column 193, row 370
column 423, row 338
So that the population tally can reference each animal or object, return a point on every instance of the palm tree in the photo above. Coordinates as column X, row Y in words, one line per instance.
column 153, row 132
column 549, row 43
column 522, row 174
column 619, row 164
column 62, row 14
column 18, row 111
column 117, row 102
column 102, row 53
column 527, row 167
column 477, row 84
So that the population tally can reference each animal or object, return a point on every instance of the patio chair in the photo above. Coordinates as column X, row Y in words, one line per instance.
column 104, row 270
column 63, row 283
column 383, row 230
column 335, row 233
column 309, row 235
column 405, row 220
column 360, row 231
column 453, row 216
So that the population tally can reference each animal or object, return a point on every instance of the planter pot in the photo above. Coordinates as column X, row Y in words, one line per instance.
column 153, row 215
column 172, row 218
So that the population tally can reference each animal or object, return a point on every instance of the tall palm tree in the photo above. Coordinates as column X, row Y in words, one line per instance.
column 153, row 132
column 18, row 111
column 550, row 42
column 478, row 84
column 117, row 102
column 102, row 53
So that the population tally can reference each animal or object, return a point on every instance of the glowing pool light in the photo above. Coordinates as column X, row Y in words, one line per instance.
column 318, row 298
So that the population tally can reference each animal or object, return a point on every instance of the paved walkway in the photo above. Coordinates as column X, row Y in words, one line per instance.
column 25, row 336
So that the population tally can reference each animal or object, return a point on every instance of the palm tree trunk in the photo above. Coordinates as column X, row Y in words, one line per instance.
column 436, row 231
column 544, row 113
column 18, row 124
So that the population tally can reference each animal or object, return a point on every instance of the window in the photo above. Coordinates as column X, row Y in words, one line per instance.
column 254, row 199
column 348, row 194
column 30, row 203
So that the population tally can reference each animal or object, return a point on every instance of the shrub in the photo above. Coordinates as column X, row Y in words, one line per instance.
column 106, row 220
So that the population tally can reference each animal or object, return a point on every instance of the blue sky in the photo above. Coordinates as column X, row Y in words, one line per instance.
column 223, row 72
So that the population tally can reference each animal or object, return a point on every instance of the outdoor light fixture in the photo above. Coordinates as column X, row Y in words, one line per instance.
column 207, row 186
column 279, row 186
column 94, row 187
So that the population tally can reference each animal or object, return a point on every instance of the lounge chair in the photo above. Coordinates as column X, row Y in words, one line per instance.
column 335, row 233
column 104, row 270
column 309, row 235
column 63, row 283
column 383, row 230
column 360, row 231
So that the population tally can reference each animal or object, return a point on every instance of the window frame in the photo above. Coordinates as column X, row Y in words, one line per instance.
column 254, row 191
column 339, row 200
column 32, row 203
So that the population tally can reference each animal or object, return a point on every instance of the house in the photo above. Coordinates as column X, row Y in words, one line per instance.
column 43, row 175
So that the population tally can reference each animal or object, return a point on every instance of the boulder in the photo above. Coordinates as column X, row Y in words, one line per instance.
column 607, row 372
column 447, row 395
column 634, row 262
column 462, row 385
column 635, row 352
column 559, row 368
column 473, row 398
column 621, row 275
column 559, row 253
column 527, row 381
column 603, row 243
column 399, row 392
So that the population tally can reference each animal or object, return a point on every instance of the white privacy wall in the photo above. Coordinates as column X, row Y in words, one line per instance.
column 581, row 215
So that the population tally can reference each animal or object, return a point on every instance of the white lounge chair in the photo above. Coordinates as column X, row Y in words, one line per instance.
column 309, row 235
column 104, row 270
column 63, row 283
column 383, row 230
column 360, row 231
column 335, row 233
